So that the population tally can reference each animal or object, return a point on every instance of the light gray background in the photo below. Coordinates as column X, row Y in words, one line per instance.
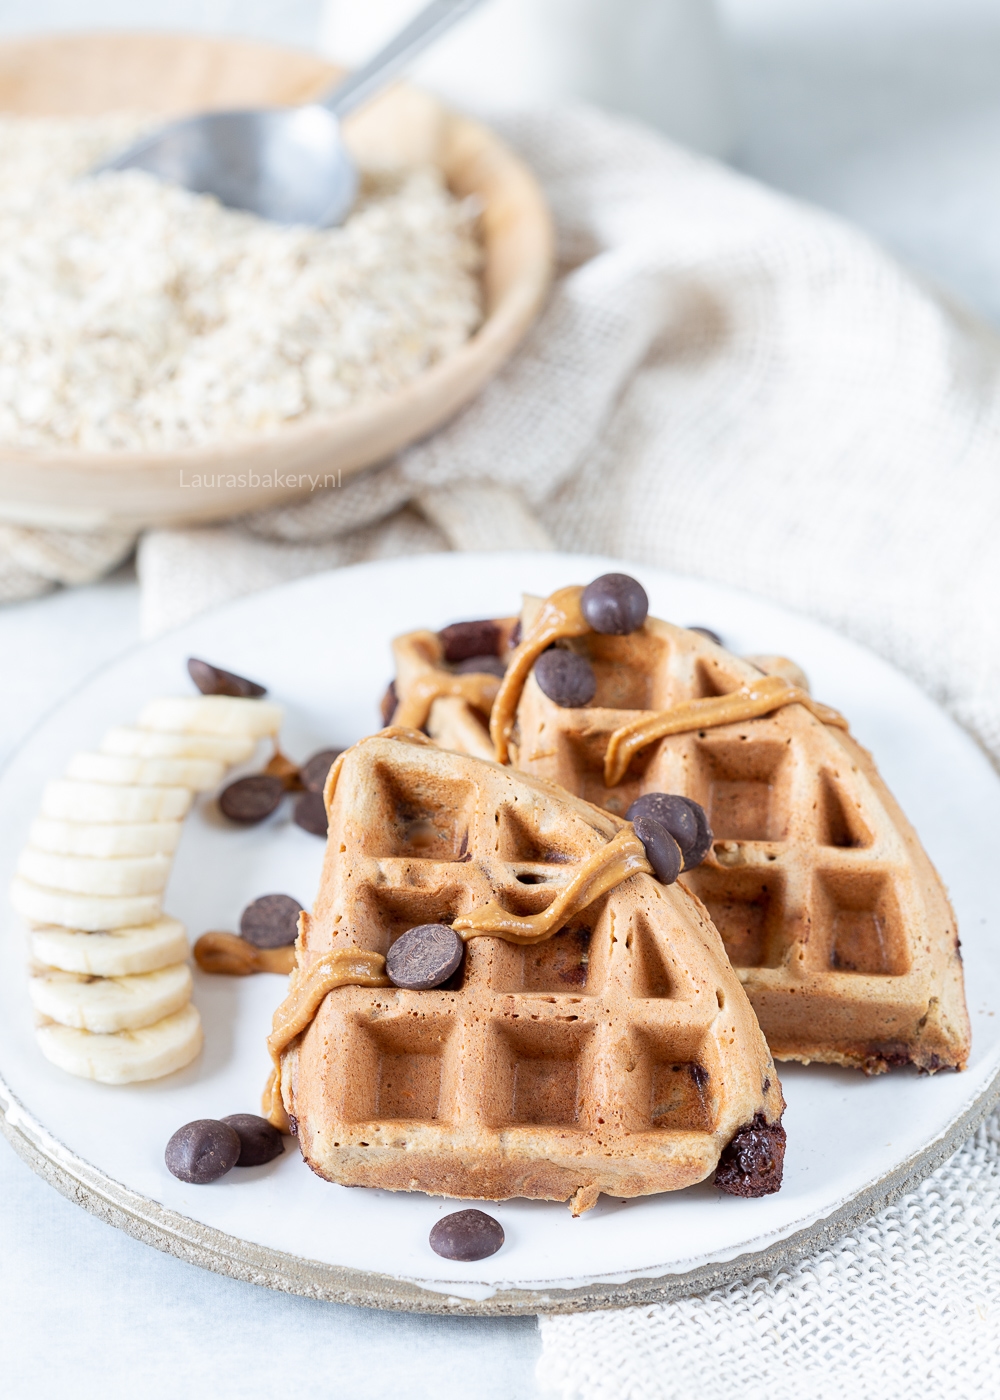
column 886, row 111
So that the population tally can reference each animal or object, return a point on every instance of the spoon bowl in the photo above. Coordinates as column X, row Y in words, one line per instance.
column 288, row 165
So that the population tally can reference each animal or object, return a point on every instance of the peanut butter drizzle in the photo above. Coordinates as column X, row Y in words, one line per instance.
column 230, row 956
column 759, row 697
column 354, row 967
column 560, row 617
column 476, row 688
column 622, row 857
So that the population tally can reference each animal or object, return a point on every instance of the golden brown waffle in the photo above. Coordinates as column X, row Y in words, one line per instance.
column 619, row 1054
column 830, row 910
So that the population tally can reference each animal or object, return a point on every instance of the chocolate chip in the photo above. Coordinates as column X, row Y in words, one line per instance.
column 490, row 665
column 464, row 639
column 566, row 678
column 272, row 921
column 707, row 632
column 615, row 604
column 202, row 1151
column 662, row 851
column 516, row 634
column 388, row 704
column 251, row 799
column 212, row 680
column 260, row 1141
column 752, row 1163
column 684, row 819
column 310, row 813
column 466, row 1235
column 314, row 771
column 424, row 957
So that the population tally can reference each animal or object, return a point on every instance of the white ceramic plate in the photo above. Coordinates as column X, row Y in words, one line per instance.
column 321, row 646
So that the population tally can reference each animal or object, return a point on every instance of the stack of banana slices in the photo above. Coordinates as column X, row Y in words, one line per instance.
column 111, row 983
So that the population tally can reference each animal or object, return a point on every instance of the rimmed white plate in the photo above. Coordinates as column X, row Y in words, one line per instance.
column 321, row 646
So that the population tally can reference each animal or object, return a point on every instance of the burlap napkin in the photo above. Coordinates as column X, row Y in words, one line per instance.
column 734, row 386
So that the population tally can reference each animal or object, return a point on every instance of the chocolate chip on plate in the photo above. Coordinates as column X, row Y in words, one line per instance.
column 388, row 704
column 615, row 604
column 424, row 957
column 464, row 639
column 212, row 680
column 260, row 1141
column 250, row 800
column 662, row 851
column 489, row 665
column 684, row 818
column 466, row 1235
column 707, row 632
column 272, row 921
column 202, row 1151
column 310, row 813
column 566, row 678
column 313, row 772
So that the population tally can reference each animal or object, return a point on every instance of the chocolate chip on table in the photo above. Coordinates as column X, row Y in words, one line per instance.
column 566, row 678
column 212, row 680
column 272, row 921
column 466, row 1235
column 707, row 632
column 662, row 851
column 388, row 704
column 260, row 1141
column 310, row 813
column 615, row 604
column 313, row 772
column 684, row 818
column 488, row 665
column 464, row 639
column 424, row 957
column 202, row 1151
column 250, row 800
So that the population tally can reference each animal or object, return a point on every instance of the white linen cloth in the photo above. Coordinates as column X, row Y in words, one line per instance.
column 732, row 385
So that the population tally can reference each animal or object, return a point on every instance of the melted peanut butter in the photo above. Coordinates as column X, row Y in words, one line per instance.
column 749, row 702
column 560, row 617
column 621, row 858
column 422, row 678
column 230, row 956
column 355, row 967
column 476, row 688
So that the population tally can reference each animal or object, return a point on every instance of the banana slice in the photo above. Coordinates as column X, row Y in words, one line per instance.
column 105, row 1005
column 68, row 800
column 198, row 774
column 151, row 743
column 111, row 953
column 90, row 912
column 107, row 840
column 122, row 875
column 212, row 714
column 126, row 1056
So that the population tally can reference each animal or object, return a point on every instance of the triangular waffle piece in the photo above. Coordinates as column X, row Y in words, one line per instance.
column 618, row 1054
column 834, row 917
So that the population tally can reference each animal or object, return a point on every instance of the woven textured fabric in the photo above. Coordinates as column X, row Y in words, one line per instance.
column 909, row 1304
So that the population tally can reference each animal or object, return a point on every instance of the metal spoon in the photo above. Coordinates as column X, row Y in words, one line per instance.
column 287, row 164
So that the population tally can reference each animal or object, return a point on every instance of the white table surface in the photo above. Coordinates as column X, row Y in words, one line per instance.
column 887, row 111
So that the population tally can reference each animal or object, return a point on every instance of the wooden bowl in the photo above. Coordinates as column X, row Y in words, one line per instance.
column 173, row 74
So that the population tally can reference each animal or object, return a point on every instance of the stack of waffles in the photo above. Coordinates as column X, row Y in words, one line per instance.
column 604, row 1031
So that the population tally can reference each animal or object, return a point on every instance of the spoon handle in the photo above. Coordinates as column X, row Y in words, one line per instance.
column 422, row 30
